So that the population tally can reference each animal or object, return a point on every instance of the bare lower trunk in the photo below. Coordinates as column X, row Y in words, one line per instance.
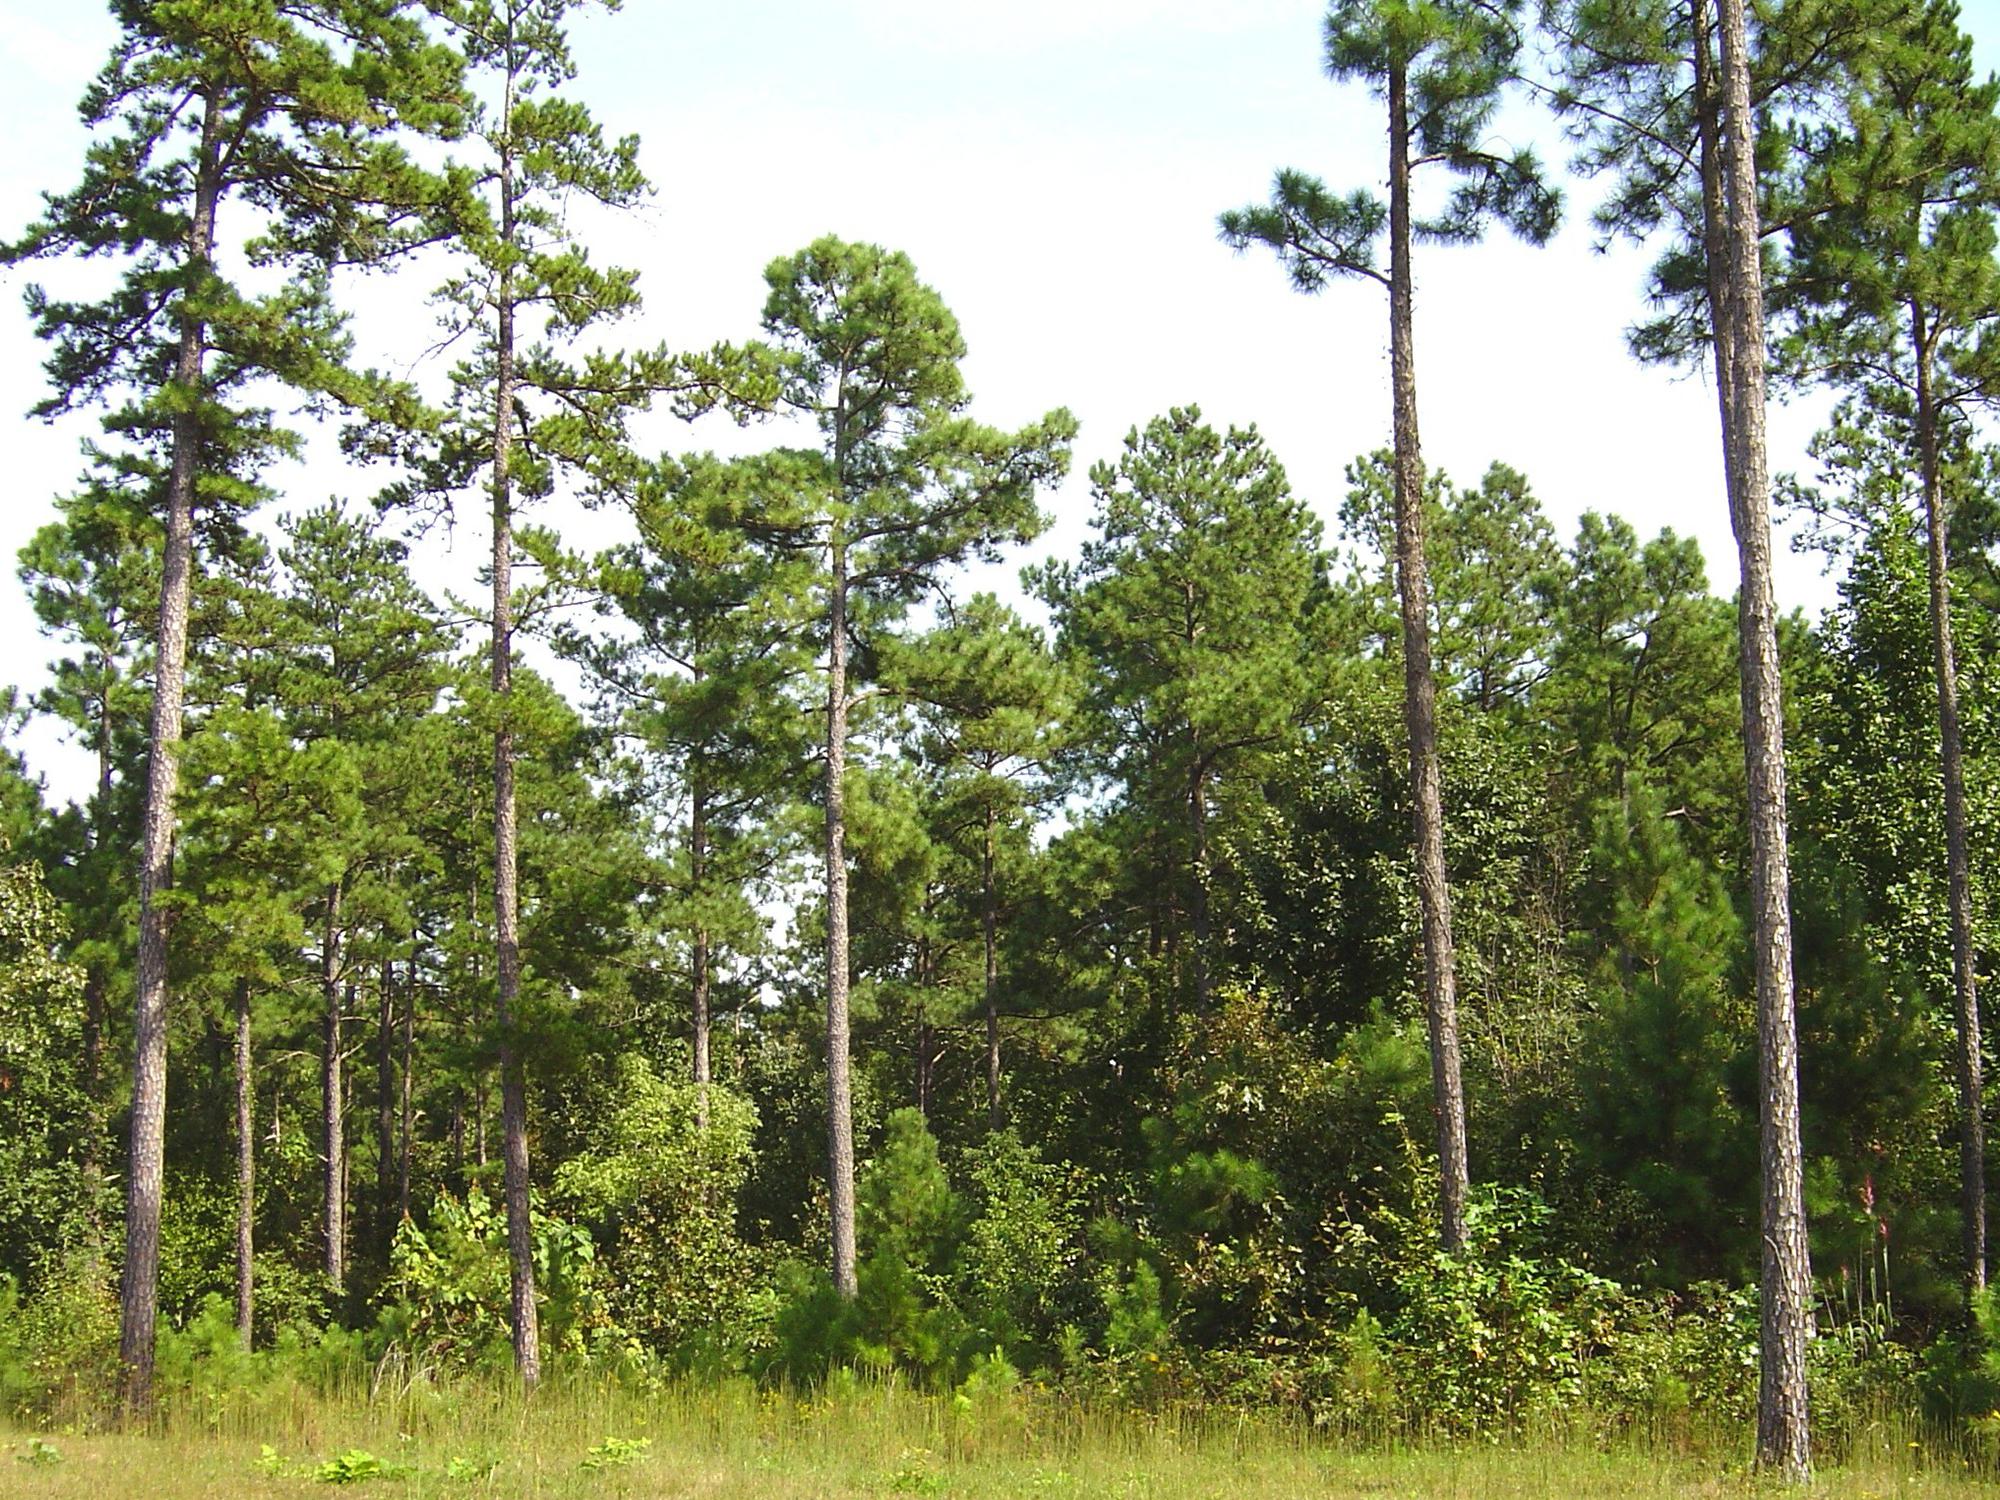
column 90, row 1076
column 1783, row 1443
column 989, row 924
column 697, row 874
column 139, row 1289
column 1958, row 867
column 246, row 1173
column 385, row 1104
column 403, row 1134
column 333, row 1224
column 506, row 893
column 839, row 1094
column 1197, row 802
column 1420, row 694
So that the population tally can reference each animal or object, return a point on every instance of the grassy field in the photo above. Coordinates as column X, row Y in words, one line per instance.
column 737, row 1442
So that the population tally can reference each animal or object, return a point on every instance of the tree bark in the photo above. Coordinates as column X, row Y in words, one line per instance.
column 139, row 1289
column 403, row 1136
column 839, row 1090
column 1420, row 692
column 1197, row 804
column 989, row 924
column 1783, row 1440
column 333, row 1224
column 385, row 1104
column 1951, row 766
column 697, row 881
column 246, row 1173
column 506, row 893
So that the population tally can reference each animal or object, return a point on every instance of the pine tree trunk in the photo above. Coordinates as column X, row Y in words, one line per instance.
column 1951, row 765
column 989, row 923
column 333, row 1223
column 1420, row 692
column 1197, row 806
column 403, row 1134
column 697, row 880
column 506, row 894
column 839, row 1091
column 145, row 1174
column 385, row 1104
column 246, row 1173
column 91, row 1080
column 1783, row 1443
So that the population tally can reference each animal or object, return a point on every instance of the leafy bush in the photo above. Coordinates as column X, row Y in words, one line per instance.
column 1020, row 1265
column 660, row 1191
column 449, row 1290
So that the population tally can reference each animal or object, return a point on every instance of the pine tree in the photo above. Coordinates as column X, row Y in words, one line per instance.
column 1201, row 603
column 1895, row 291
column 1441, row 70
column 204, row 109
column 704, row 684
column 995, row 712
column 903, row 487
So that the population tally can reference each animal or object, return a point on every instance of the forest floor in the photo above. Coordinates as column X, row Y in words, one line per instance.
column 760, row 1447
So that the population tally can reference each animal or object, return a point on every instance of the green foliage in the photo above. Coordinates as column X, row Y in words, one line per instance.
column 618, row 1453
column 446, row 1299
column 1021, row 1261
column 659, row 1191
column 42, row 1105
column 1668, row 1104
column 356, row 1466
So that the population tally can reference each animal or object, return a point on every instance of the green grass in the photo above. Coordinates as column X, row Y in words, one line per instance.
column 710, row 1443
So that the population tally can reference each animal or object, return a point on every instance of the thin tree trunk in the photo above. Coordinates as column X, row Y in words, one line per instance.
column 697, row 880
column 1783, row 1442
column 246, row 1173
column 403, row 1137
column 839, row 1092
column 139, row 1289
column 506, row 894
column 385, row 1103
column 1951, row 765
column 989, row 923
column 1197, row 805
column 1420, row 692
column 91, row 1078
column 333, row 1144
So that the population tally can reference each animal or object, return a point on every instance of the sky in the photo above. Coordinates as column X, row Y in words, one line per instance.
column 1054, row 169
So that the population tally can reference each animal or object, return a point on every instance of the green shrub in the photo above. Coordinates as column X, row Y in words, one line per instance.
column 660, row 1192
column 449, row 1291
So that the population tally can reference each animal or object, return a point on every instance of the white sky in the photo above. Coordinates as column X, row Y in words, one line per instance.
column 1054, row 167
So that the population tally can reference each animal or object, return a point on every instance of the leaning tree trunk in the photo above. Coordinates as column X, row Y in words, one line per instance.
column 333, row 1184
column 246, row 1173
column 1420, row 692
column 1951, row 765
column 1783, row 1440
column 839, row 1089
column 139, row 1288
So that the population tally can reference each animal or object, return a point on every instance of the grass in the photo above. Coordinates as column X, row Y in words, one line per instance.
column 738, row 1443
